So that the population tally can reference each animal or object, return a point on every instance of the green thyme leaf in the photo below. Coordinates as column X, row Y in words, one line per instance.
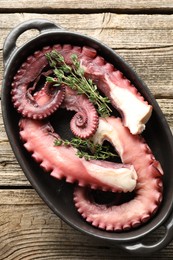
column 87, row 149
column 73, row 76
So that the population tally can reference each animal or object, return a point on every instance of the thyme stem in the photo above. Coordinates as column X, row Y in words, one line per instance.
column 87, row 148
column 73, row 76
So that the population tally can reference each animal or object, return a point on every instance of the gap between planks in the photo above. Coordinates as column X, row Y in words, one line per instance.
column 85, row 6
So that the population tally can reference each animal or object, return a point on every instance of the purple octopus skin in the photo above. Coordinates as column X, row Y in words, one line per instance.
column 25, row 83
column 120, row 92
column 113, row 84
column 148, row 192
column 85, row 122
column 62, row 161
column 108, row 79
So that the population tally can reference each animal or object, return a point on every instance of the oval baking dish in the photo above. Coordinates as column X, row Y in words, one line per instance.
column 58, row 195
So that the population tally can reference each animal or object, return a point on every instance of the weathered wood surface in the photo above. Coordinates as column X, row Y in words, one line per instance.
column 89, row 5
column 28, row 228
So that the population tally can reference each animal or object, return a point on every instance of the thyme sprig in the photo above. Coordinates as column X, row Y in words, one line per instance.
column 87, row 149
column 73, row 76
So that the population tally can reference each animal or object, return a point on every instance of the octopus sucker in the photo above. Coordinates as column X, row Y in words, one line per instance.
column 39, row 138
column 121, row 93
column 148, row 190
column 33, row 109
column 85, row 122
column 22, row 98
column 109, row 80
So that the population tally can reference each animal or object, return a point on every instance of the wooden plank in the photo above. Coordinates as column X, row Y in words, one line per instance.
column 34, row 232
column 116, row 5
column 102, row 20
column 117, row 30
column 145, row 41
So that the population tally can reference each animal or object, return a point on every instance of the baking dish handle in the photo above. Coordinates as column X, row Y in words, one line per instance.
column 41, row 25
column 140, row 248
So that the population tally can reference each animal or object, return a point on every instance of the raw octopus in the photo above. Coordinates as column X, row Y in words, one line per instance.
column 109, row 80
column 39, row 138
column 140, row 174
column 24, row 84
column 148, row 191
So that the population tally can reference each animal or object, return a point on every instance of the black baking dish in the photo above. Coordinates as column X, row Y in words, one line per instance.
column 57, row 194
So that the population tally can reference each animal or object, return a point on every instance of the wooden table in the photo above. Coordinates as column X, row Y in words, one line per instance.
column 140, row 31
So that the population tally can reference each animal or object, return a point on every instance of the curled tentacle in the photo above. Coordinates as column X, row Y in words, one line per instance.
column 108, row 79
column 24, row 84
column 62, row 161
column 113, row 84
column 148, row 192
column 85, row 122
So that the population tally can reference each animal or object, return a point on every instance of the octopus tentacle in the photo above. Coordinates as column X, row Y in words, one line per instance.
column 39, row 138
column 109, row 80
column 85, row 122
column 148, row 192
column 113, row 84
column 29, row 73
column 120, row 91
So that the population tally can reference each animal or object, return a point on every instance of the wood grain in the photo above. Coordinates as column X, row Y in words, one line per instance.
column 85, row 5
